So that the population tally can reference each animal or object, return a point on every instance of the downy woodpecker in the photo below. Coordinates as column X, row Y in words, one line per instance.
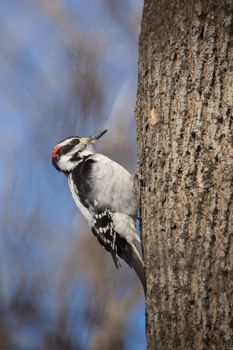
column 105, row 194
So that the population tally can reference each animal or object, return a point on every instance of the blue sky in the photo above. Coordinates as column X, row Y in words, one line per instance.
column 66, row 67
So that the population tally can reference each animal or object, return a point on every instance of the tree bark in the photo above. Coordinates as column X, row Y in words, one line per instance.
column 184, row 113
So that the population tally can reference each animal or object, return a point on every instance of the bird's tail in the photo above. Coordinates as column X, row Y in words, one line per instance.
column 134, row 260
column 138, row 266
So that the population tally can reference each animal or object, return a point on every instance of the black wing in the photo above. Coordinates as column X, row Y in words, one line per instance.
column 81, row 176
column 103, row 230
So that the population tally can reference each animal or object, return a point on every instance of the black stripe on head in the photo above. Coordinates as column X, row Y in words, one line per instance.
column 75, row 139
column 67, row 148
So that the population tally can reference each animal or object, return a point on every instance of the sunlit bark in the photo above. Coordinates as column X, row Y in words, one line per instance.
column 184, row 112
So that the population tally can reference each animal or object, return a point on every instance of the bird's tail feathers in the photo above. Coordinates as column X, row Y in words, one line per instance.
column 134, row 260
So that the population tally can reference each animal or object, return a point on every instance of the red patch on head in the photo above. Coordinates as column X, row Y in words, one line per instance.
column 54, row 151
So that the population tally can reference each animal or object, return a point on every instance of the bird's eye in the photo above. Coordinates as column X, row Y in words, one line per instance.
column 74, row 142
column 67, row 148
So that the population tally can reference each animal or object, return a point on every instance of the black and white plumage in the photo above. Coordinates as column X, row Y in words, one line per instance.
column 105, row 194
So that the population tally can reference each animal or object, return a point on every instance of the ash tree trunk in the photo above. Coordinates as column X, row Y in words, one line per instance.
column 184, row 113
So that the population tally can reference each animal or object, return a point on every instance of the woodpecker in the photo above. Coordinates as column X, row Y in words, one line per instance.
column 106, row 196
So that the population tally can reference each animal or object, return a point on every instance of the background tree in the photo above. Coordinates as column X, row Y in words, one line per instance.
column 66, row 67
column 184, row 113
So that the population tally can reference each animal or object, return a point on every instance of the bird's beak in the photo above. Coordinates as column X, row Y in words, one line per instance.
column 93, row 139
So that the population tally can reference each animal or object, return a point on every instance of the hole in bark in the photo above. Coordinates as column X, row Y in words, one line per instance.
column 151, row 165
column 220, row 120
column 146, row 127
column 193, row 134
column 213, row 239
column 198, row 149
column 179, row 170
column 191, row 304
column 201, row 36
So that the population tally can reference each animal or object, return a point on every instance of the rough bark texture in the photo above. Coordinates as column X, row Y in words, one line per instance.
column 184, row 113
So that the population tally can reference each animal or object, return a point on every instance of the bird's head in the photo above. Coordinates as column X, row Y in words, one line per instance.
column 70, row 151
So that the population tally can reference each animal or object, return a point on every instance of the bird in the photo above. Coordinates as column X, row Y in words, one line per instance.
column 106, row 195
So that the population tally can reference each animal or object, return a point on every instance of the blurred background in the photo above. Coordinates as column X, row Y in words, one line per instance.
column 67, row 67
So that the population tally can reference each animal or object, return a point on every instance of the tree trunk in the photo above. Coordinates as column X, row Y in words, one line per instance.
column 184, row 112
